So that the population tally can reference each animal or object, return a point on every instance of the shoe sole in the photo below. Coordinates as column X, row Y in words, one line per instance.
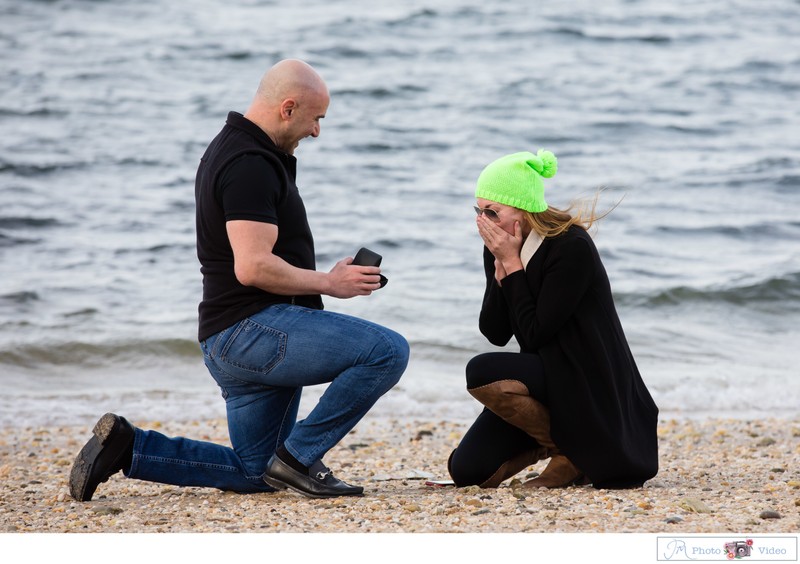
column 82, row 467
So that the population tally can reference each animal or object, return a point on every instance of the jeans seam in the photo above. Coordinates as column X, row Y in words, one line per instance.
column 193, row 464
column 152, row 458
column 137, row 446
column 283, row 419
column 214, row 351
column 228, row 341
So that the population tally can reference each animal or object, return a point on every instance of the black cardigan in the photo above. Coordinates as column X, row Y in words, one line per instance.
column 602, row 415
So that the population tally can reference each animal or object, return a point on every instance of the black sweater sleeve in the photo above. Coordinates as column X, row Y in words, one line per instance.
column 568, row 273
column 494, row 322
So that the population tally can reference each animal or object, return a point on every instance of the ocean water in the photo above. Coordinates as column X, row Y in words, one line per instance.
column 685, row 112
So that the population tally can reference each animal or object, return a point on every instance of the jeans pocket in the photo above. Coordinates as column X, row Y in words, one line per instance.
column 254, row 348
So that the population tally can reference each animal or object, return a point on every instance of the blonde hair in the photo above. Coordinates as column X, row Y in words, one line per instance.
column 554, row 221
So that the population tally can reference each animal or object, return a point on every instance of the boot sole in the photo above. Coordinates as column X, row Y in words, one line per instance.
column 82, row 467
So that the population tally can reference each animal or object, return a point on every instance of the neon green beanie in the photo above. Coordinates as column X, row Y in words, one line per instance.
column 516, row 180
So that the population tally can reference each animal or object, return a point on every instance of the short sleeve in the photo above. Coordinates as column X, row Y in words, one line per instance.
column 249, row 188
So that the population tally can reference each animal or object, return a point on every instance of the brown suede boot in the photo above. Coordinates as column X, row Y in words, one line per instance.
column 559, row 473
column 510, row 400
column 515, row 465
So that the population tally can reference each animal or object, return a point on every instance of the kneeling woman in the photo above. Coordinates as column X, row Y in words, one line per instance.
column 573, row 393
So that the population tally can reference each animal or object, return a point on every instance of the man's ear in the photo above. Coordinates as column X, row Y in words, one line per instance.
column 288, row 107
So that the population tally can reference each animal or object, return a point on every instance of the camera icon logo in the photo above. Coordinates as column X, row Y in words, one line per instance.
column 739, row 549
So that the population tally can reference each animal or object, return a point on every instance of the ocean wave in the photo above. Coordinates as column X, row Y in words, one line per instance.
column 789, row 181
column 96, row 355
column 6, row 241
column 381, row 92
column 406, row 243
column 626, row 125
column 779, row 289
column 607, row 37
column 414, row 18
column 26, row 222
column 37, row 169
column 31, row 112
column 155, row 249
column 23, row 297
column 773, row 231
column 344, row 52
column 237, row 55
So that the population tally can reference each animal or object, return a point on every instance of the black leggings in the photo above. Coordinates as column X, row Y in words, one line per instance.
column 490, row 441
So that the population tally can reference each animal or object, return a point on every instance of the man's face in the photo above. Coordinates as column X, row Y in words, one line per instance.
column 304, row 120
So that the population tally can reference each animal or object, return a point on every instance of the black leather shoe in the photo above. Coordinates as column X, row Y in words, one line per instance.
column 106, row 453
column 319, row 482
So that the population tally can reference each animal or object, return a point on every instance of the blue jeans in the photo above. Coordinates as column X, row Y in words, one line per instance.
column 261, row 365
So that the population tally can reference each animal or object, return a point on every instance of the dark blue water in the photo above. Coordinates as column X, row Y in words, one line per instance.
column 685, row 111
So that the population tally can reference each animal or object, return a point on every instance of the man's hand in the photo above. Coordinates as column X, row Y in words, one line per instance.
column 346, row 280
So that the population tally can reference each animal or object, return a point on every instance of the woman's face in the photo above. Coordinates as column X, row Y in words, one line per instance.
column 504, row 216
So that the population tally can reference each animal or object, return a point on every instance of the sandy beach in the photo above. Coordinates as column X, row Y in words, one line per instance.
column 716, row 476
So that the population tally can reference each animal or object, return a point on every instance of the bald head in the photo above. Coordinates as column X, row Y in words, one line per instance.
column 289, row 102
column 289, row 78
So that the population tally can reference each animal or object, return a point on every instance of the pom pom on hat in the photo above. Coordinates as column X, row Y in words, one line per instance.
column 516, row 180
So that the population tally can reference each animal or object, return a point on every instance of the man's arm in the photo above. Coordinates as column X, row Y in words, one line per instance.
column 256, row 265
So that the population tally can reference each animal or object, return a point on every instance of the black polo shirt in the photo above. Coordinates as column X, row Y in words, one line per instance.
column 244, row 176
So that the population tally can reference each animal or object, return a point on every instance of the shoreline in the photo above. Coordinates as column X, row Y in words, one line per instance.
column 716, row 476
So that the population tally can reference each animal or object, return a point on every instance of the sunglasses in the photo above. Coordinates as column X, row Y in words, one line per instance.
column 491, row 214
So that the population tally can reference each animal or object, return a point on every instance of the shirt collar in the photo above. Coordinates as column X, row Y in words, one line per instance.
column 237, row 120
column 529, row 247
